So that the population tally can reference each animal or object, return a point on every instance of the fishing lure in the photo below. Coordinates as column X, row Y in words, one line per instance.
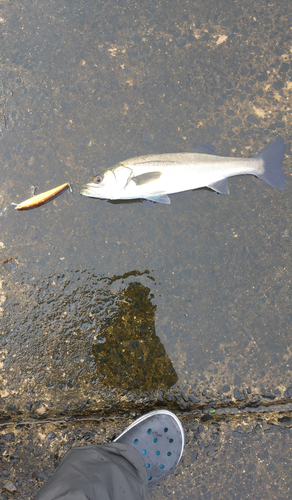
column 40, row 199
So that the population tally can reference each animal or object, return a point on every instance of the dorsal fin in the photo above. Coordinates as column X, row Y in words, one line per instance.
column 206, row 148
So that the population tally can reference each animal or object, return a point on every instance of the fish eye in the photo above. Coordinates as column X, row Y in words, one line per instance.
column 97, row 179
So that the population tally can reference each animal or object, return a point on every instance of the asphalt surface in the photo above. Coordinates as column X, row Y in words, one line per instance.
column 112, row 309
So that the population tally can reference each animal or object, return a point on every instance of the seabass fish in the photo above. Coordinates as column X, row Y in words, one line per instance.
column 154, row 177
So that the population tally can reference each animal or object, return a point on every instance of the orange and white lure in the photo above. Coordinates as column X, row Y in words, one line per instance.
column 40, row 199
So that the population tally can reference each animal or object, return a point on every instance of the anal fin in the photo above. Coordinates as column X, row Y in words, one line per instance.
column 158, row 198
column 220, row 186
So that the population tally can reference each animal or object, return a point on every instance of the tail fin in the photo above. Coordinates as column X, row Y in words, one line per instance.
column 272, row 155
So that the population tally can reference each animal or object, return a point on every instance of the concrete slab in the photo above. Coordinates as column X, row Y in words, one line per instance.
column 114, row 307
column 227, row 456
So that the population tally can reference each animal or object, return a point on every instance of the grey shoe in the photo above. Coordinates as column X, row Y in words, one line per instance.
column 159, row 437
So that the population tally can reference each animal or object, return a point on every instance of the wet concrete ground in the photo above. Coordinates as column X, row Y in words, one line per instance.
column 113, row 307
column 226, row 456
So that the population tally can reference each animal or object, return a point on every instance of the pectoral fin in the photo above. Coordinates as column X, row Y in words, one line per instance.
column 145, row 178
column 159, row 198
column 220, row 186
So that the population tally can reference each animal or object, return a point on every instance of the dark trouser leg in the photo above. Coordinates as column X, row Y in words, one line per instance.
column 112, row 471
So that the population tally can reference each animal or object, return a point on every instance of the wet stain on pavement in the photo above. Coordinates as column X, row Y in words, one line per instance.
column 129, row 354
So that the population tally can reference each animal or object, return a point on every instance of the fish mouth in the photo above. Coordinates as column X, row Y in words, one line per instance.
column 89, row 190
